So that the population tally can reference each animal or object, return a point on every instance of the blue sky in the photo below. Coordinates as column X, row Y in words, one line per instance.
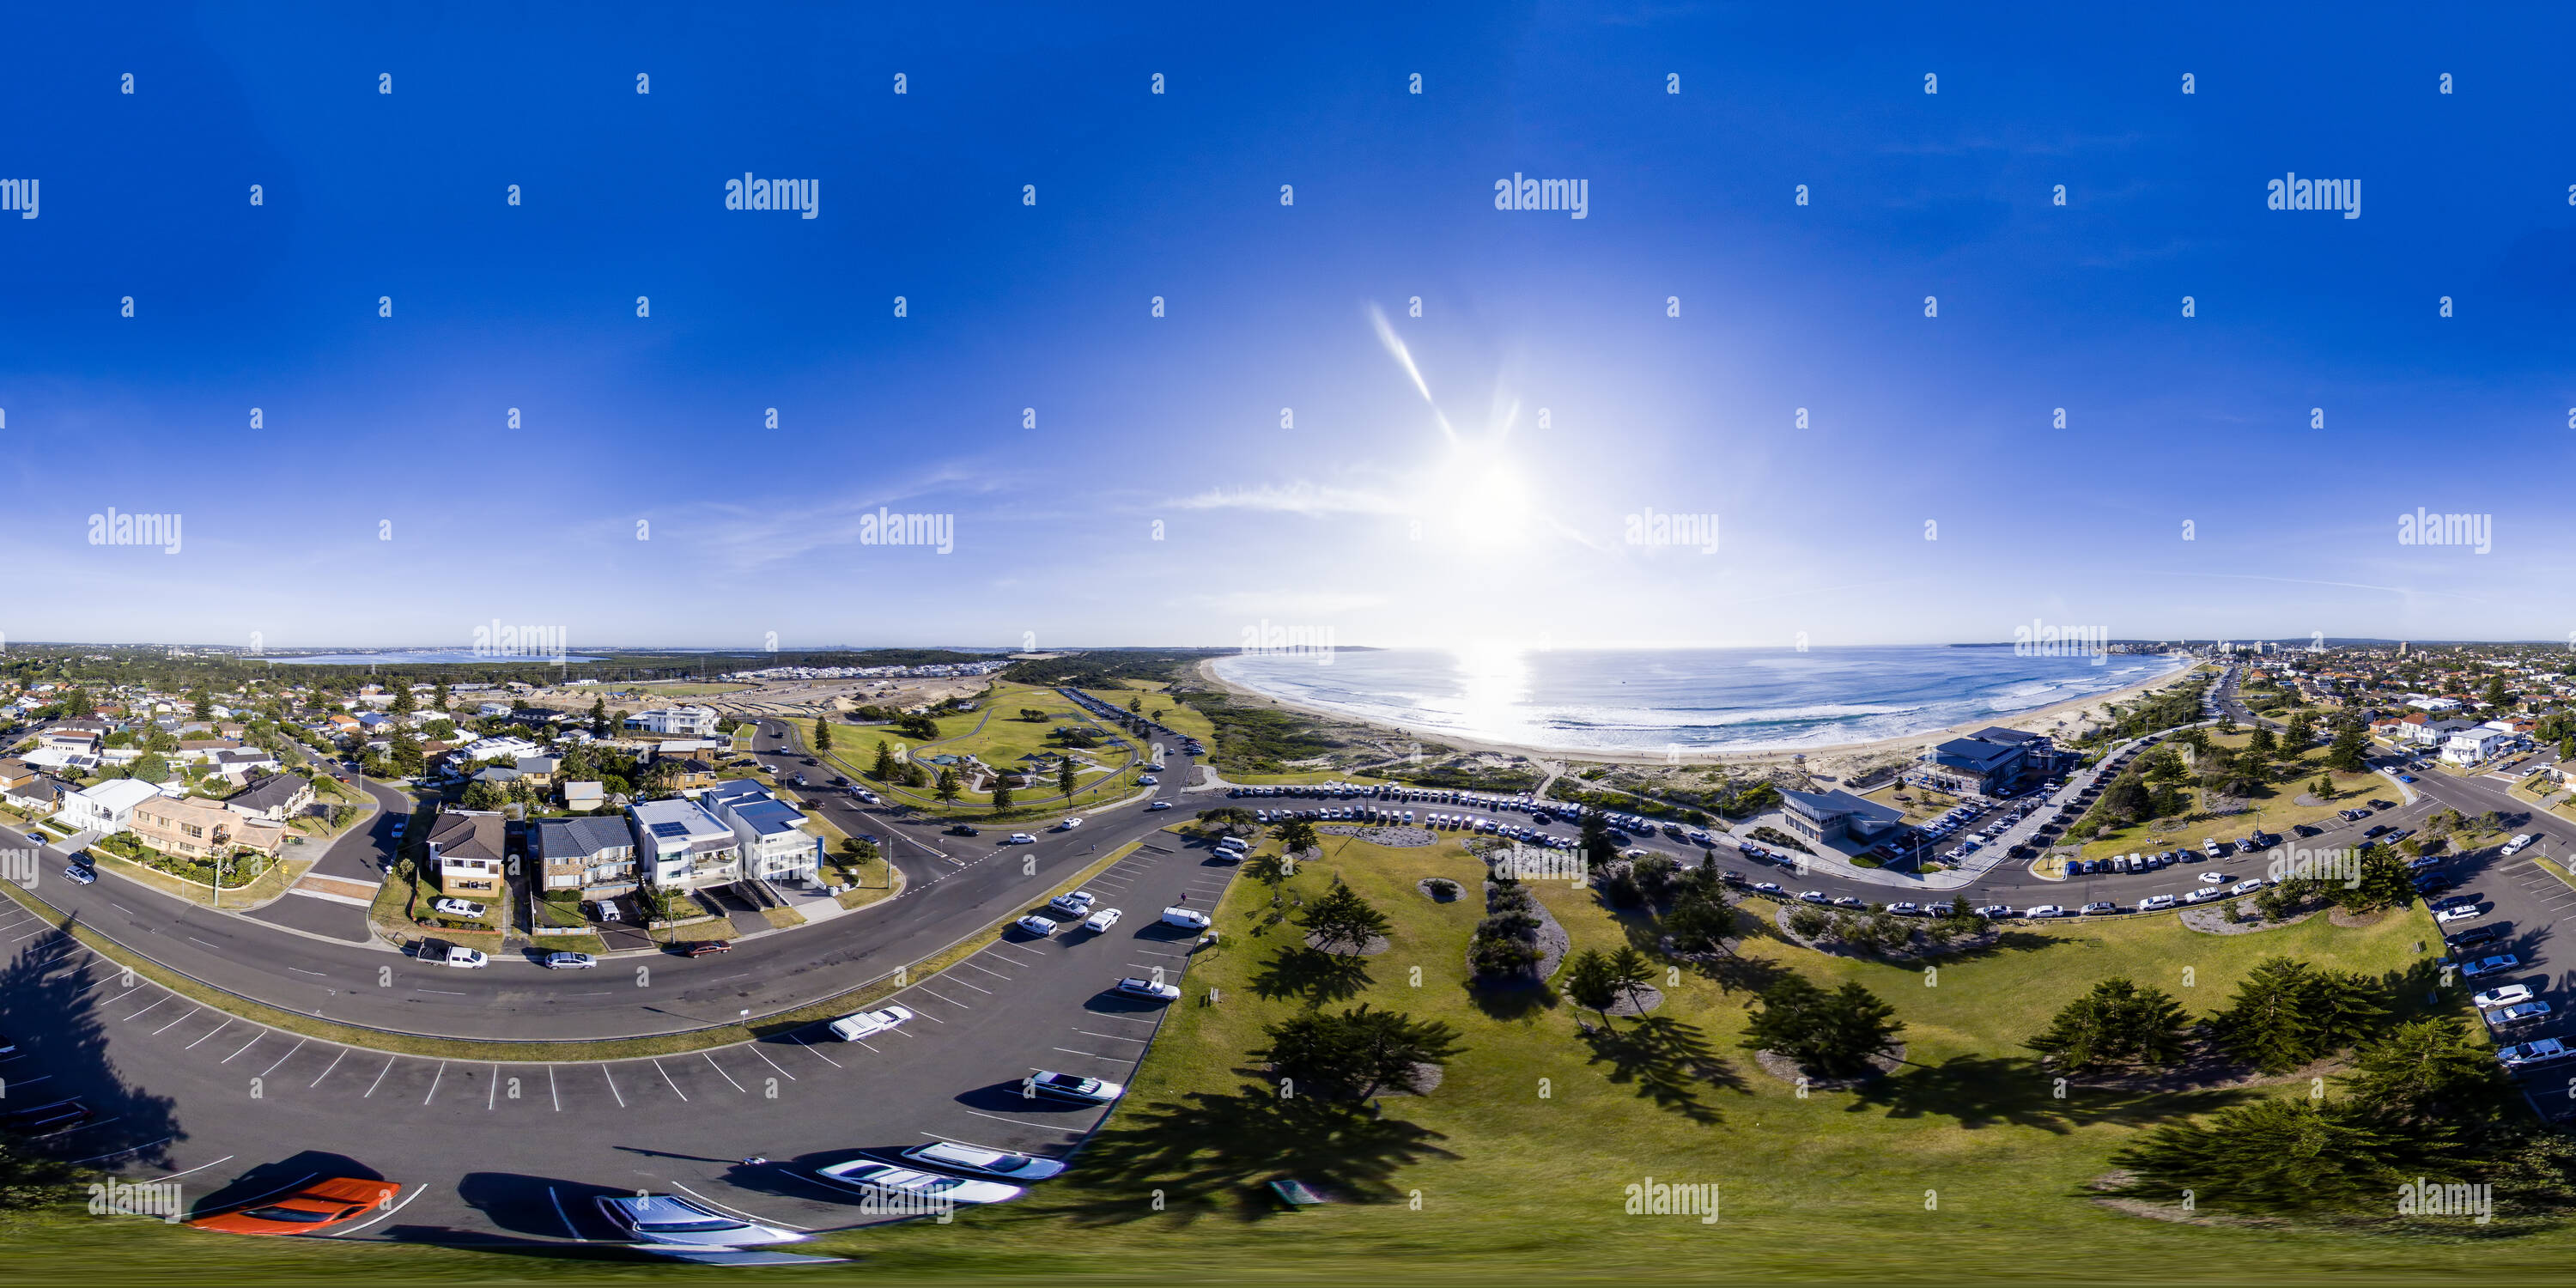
column 1363, row 514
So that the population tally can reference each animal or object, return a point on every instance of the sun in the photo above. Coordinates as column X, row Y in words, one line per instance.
column 1481, row 500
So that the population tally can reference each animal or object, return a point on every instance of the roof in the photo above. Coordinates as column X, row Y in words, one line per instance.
column 120, row 793
column 1997, row 733
column 560, row 837
column 469, row 836
column 1838, row 801
column 272, row 792
column 769, row 818
column 675, row 819
column 1976, row 751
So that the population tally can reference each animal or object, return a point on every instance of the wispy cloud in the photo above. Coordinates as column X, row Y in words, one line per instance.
column 1301, row 497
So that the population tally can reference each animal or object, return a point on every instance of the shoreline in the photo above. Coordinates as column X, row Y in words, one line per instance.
column 1834, row 760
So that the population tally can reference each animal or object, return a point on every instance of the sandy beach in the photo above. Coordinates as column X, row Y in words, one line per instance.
column 1837, row 761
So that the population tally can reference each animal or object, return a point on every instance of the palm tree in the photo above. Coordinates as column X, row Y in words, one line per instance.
column 1629, row 971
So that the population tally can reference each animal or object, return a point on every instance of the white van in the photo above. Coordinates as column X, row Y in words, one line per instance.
column 1233, row 845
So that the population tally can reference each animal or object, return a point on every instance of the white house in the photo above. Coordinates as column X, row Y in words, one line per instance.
column 2473, row 746
column 777, row 844
column 109, row 806
column 2433, row 704
column 680, row 846
column 686, row 721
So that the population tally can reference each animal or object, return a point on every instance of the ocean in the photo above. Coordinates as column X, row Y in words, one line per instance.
column 1654, row 700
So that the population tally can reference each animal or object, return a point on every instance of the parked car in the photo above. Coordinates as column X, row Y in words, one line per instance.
column 868, row 1176
column 78, row 875
column 2097, row 909
column 2460, row 912
column 1185, row 918
column 2518, row 1013
column 2490, row 965
column 707, row 948
column 311, row 1207
column 1994, row 910
column 2505, row 996
column 1042, row 927
column 1133, row 986
column 2536, row 1052
column 570, row 961
column 1072, row 1088
column 2045, row 910
column 867, row 1024
column 975, row 1160
column 668, row 1219
column 2479, row 934
column 458, row 908
column 439, row 952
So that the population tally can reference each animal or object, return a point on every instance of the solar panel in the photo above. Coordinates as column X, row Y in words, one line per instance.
column 670, row 830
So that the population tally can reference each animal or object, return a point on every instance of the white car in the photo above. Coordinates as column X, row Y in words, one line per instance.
column 2462, row 912
column 668, row 1219
column 2518, row 1013
column 2045, row 910
column 867, row 1024
column 2155, row 903
column 1185, row 918
column 2515, row 845
column 1158, row 805
column 2213, row 878
column 1068, row 825
column 2248, row 886
column 2542, row 1051
column 1994, row 910
column 2505, row 996
column 1041, row 927
column 975, row 1160
column 1814, row 896
column 1102, row 920
column 458, row 908
column 1149, row 781
column 1906, row 909
column 1767, row 887
column 570, row 961
column 1019, row 838
column 1132, row 986
column 1074, row 905
column 871, row 1177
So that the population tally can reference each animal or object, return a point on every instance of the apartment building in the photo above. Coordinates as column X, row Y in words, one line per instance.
column 593, row 855
column 778, row 842
column 687, row 721
column 109, row 806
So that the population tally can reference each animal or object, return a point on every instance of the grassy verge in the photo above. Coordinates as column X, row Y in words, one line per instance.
column 261, row 889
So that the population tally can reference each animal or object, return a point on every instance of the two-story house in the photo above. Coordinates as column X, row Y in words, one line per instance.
column 593, row 855
column 679, row 846
column 469, row 851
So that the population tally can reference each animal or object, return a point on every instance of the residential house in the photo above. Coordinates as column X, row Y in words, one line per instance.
column 680, row 846
column 38, row 795
column 469, row 850
column 276, row 798
column 778, row 841
column 194, row 827
column 593, row 855
column 539, row 770
column 688, row 721
column 584, row 795
column 14, row 772
column 109, row 806
column 2474, row 746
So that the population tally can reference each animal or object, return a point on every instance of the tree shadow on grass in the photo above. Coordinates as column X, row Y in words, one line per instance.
column 1510, row 999
column 1311, row 973
column 1979, row 1091
column 1211, row 1153
column 1668, row 1060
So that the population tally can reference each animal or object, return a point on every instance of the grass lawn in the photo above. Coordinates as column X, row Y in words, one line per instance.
column 1921, row 804
column 2276, row 807
column 1520, row 1158
column 1180, row 716
column 266, row 886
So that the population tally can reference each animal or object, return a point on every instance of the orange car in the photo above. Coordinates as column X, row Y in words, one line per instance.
column 310, row 1209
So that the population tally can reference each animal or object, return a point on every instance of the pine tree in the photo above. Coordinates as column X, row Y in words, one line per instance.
column 948, row 785
column 1588, row 982
column 1001, row 794
column 1342, row 919
column 823, row 732
column 1064, row 775
column 884, row 770
column 1630, row 971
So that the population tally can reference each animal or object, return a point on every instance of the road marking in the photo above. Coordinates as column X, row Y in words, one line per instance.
column 711, row 1063
column 380, row 1076
column 809, row 1047
column 290, row 1054
column 405, row 1202
column 994, row 973
column 951, row 1001
column 963, row 984
column 764, row 1058
column 82, row 1127
column 172, row 1176
column 612, row 1086
column 131, row 1017
column 314, row 973
column 181, row 1020
column 675, row 1087
column 569, row 1227
column 254, row 1041
column 194, row 940
column 335, row 1063
column 550, row 1089
column 1111, row 1036
column 1096, row 1055
column 764, row 1220
column 1069, row 1131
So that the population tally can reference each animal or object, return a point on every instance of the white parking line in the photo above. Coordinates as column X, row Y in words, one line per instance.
column 1070, row 1131
column 764, row 1220
column 398, row 1206
column 380, row 1076
column 181, row 1020
column 254, row 1041
column 335, row 1063
column 951, row 1001
column 434, row 1080
column 711, row 1063
column 612, row 1086
column 1096, row 1055
column 493, row 1096
column 561, row 1215
column 1111, row 1036
column 556, row 1096
column 174, row 1175
column 130, row 1018
column 675, row 1087
column 963, row 984
column 764, row 1059
column 290, row 1054
column 994, row 973
column 809, row 1048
